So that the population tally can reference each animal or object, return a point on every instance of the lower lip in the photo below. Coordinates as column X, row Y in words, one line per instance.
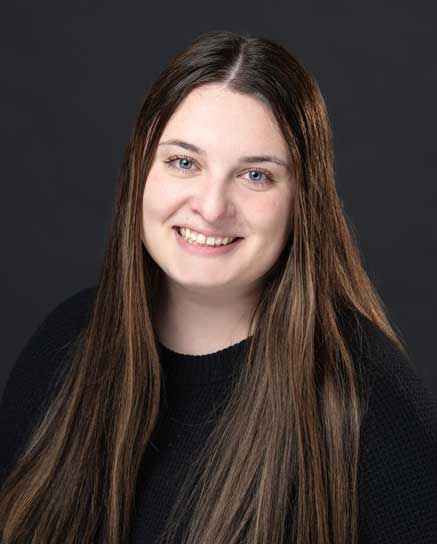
column 206, row 250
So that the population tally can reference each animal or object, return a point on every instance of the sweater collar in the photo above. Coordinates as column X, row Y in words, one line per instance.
column 212, row 367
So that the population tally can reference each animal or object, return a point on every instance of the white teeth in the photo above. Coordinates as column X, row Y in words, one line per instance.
column 201, row 239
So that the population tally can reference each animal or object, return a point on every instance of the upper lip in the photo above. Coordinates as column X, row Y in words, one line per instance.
column 207, row 232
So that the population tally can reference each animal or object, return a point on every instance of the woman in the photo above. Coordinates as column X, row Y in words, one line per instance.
column 233, row 376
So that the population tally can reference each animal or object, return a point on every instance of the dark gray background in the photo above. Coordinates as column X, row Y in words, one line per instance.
column 73, row 79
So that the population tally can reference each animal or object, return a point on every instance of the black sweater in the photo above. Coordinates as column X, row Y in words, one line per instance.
column 398, row 455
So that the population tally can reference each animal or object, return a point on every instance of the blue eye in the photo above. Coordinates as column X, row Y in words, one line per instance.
column 179, row 158
column 182, row 159
column 185, row 160
column 259, row 173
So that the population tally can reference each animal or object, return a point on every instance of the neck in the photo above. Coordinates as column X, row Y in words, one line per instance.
column 200, row 321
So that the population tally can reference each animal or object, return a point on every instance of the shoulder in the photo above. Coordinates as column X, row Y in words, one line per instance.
column 50, row 339
column 75, row 309
column 398, row 444
column 396, row 392
column 378, row 361
column 52, row 335
column 39, row 363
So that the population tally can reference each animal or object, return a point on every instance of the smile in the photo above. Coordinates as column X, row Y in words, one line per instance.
column 202, row 245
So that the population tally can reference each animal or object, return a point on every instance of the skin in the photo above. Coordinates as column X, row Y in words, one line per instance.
column 206, row 301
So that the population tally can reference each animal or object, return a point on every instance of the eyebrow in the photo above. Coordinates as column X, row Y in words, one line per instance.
column 248, row 159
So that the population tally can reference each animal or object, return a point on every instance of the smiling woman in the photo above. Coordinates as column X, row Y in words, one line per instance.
column 215, row 195
column 233, row 377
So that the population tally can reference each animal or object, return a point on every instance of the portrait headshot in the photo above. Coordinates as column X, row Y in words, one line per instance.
column 230, row 368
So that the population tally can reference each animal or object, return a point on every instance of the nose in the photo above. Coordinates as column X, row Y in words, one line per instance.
column 212, row 199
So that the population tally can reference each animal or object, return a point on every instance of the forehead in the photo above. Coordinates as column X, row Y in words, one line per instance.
column 216, row 118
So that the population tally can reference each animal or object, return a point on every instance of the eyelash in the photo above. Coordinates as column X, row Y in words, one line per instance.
column 258, row 184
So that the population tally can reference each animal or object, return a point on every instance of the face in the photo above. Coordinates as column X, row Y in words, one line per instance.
column 216, row 182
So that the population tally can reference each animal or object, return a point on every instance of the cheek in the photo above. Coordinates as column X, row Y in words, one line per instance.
column 273, row 218
column 153, row 207
column 274, row 228
column 158, row 200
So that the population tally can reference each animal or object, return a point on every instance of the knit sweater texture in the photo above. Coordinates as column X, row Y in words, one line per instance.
column 397, row 489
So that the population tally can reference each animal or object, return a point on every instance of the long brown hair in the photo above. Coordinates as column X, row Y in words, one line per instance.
column 291, row 426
